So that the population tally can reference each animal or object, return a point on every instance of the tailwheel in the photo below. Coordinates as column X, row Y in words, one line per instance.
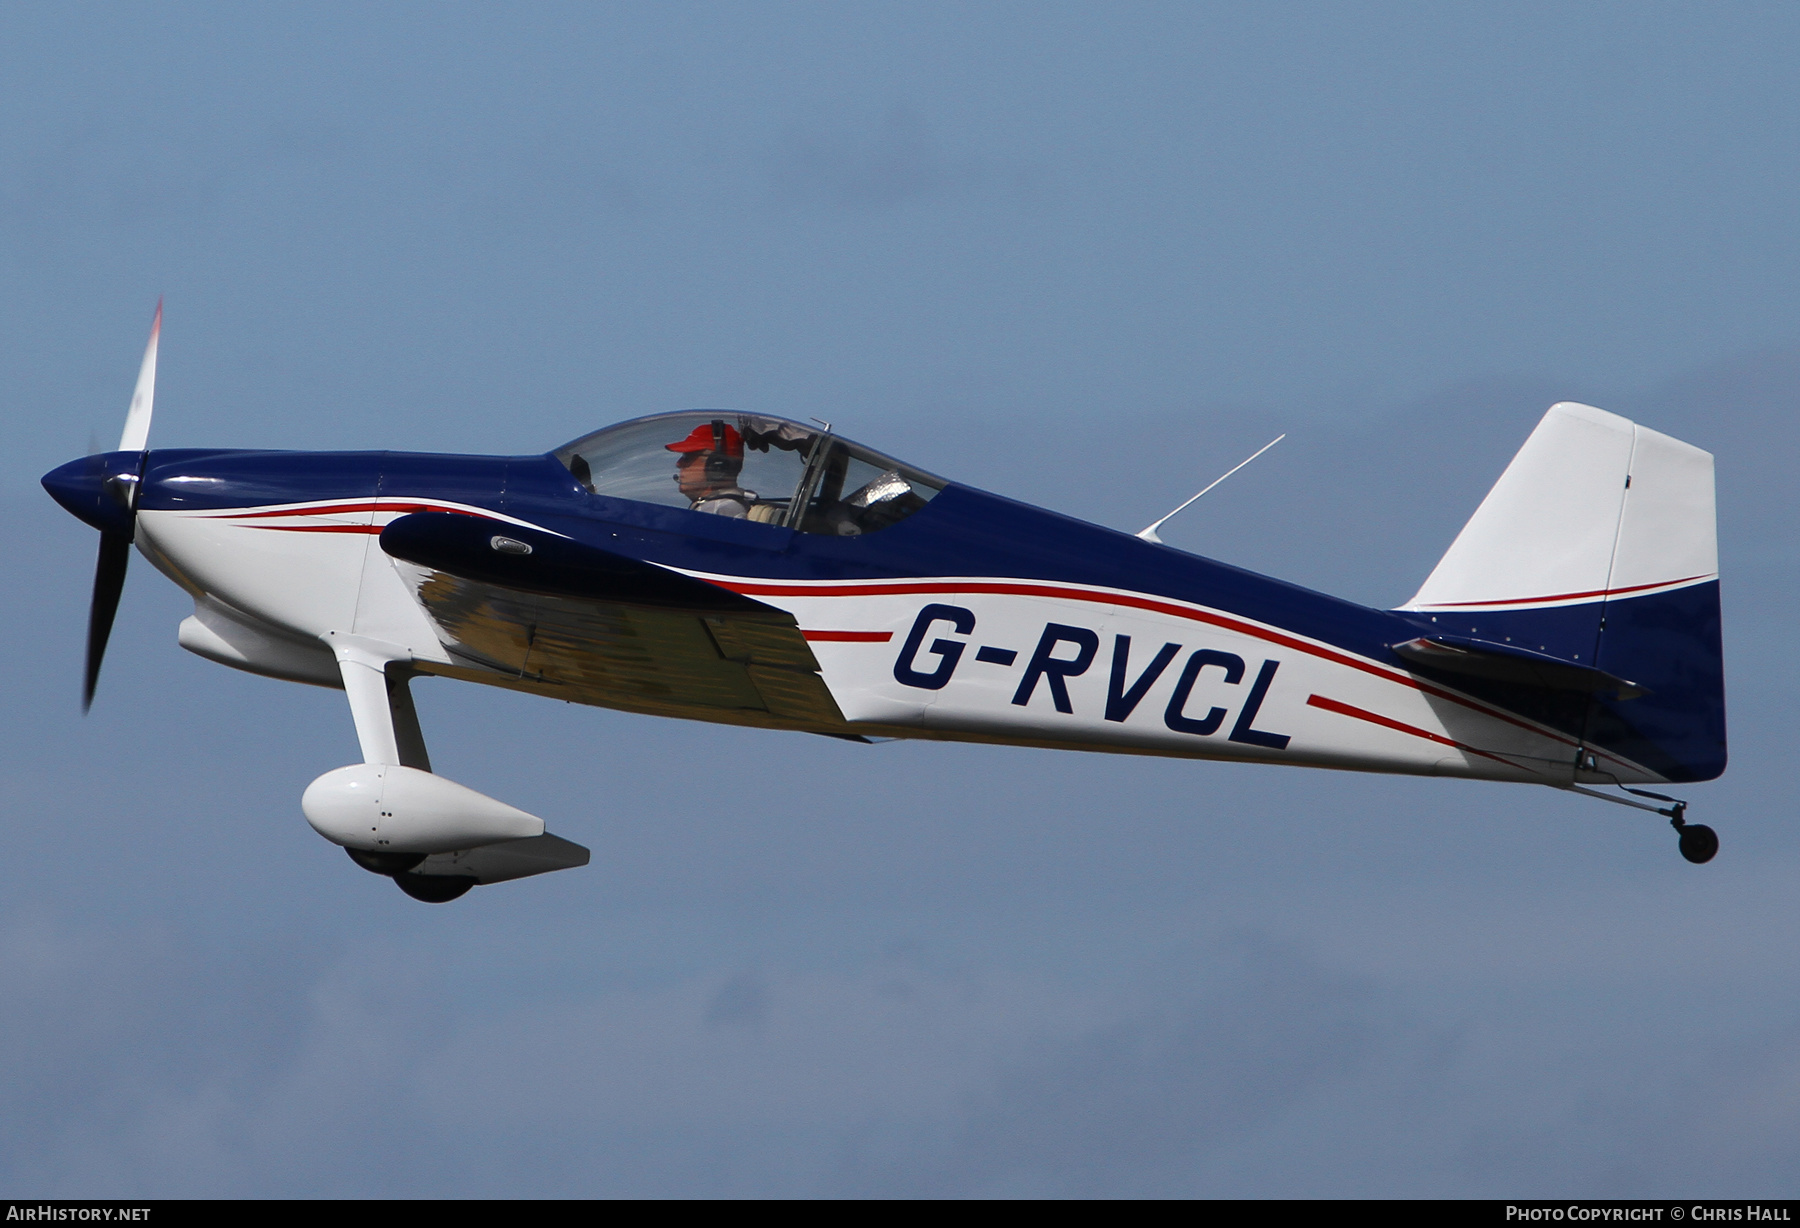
column 1699, row 843
column 434, row 888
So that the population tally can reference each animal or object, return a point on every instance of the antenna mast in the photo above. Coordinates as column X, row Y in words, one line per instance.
column 1148, row 533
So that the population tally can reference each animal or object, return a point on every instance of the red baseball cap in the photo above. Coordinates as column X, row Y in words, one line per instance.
column 706, row 438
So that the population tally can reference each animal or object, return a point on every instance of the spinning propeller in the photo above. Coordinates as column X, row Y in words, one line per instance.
column 103, row 491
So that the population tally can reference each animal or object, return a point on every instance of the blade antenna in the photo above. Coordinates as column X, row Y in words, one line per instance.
column 1148, row 533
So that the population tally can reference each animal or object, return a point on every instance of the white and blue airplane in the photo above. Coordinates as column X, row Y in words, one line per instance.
column 746, row 569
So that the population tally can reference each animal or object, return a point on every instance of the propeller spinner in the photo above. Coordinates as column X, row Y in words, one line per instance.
column 102, row 491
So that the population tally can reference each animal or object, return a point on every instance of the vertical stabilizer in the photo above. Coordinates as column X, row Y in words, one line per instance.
column 1598, row 545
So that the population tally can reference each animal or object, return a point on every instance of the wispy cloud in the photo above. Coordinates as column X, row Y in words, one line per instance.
column 895, row 160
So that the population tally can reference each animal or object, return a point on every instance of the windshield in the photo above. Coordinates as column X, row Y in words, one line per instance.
column 747, row 466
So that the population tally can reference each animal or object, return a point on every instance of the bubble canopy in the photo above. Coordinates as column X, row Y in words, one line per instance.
column 753, row 467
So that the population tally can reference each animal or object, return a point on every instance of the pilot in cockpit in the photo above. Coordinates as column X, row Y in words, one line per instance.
column 708, row 463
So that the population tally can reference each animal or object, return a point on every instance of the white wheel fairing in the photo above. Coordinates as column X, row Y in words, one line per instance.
column 380, row 807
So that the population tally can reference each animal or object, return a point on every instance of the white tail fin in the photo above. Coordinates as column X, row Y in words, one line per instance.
column 1592, row 506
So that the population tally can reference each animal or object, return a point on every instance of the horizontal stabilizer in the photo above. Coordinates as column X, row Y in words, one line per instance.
column 531, row 560
column 509, row 859
column 1477, row 658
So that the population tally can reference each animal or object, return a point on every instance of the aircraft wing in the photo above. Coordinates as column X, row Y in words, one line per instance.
column 583, row 624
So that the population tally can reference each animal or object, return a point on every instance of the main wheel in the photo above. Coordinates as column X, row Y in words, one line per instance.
column 434, row 888
column 1699, row 843
column 384, row 863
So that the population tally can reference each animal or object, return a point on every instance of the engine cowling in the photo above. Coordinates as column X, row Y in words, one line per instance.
column 385, row 808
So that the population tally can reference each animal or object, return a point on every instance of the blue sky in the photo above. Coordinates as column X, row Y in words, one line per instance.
column 1085, row 256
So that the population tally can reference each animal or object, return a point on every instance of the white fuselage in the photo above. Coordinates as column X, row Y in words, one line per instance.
column 934, row 657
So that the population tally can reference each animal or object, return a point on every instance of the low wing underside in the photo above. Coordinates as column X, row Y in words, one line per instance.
column 579, row 624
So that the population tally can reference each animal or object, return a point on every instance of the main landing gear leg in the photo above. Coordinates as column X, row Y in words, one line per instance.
column 387, row 728
column 1699, row 843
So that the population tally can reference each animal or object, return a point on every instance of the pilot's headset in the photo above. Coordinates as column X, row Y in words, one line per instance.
column 721, row 466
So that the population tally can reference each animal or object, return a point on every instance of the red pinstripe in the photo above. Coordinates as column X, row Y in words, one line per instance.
column 1134, row 601
column 1599, row 592
column 1343, row 709
column 345, row 509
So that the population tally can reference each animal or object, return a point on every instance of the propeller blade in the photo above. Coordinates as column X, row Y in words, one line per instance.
column 115, row 545
column 109, row 582
column 143, row 399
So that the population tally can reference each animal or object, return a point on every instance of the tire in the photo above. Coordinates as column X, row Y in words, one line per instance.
column 385, row 863
column 1699, row 843
column 434, row 888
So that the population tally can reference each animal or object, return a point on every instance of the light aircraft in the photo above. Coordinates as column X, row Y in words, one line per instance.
column 747, row 569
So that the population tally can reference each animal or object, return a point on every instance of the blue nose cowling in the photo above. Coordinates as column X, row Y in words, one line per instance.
column 97, row 489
